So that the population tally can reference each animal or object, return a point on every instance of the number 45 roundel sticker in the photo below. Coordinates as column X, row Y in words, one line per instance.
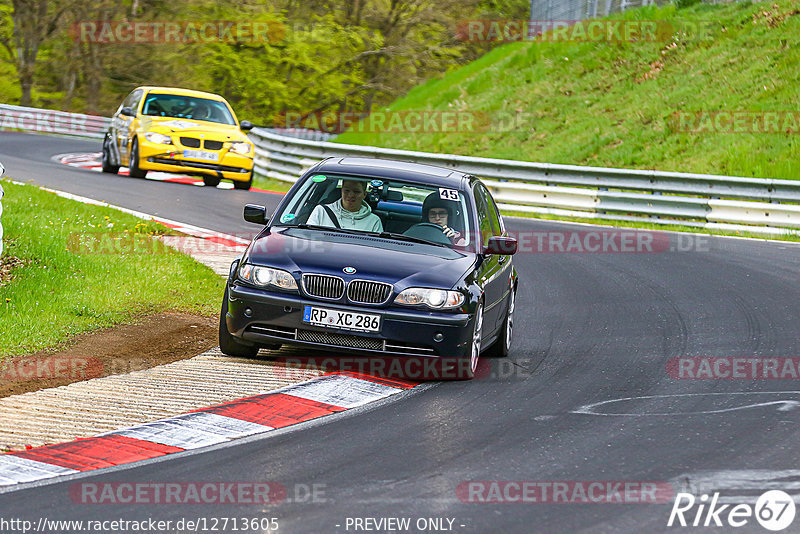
column 448, row 194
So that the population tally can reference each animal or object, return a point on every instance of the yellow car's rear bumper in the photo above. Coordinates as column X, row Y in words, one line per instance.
column 170, row 158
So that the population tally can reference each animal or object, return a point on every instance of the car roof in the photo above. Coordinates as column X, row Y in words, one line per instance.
column 392, row 169
column 181, row 92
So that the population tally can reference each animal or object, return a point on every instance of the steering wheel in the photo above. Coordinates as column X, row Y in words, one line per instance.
column 429, row 232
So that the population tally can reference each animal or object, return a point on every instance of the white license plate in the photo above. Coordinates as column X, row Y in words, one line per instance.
column 343, row 320
column 201, row 154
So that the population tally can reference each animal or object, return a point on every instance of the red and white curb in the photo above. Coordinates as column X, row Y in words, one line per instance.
column 92, row 162
column 280, row 408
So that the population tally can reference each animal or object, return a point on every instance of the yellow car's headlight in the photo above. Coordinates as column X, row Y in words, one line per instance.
column 158, row 138
column 240, row 147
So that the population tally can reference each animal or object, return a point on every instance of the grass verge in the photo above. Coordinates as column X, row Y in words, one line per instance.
column 72, row 268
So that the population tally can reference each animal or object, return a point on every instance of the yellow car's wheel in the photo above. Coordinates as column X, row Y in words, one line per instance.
column 243, row 185
column 133, row 166
column 106, row 158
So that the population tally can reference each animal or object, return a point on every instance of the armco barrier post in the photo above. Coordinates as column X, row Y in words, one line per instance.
column 2, row 172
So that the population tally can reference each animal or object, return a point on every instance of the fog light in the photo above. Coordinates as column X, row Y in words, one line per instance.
column 287, row 309
column 248, row 312
column 438, row 337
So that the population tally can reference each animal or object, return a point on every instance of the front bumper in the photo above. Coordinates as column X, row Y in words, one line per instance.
column 169, row 158
column 278, row 318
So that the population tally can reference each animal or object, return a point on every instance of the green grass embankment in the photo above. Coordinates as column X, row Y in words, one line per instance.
column 70, row 268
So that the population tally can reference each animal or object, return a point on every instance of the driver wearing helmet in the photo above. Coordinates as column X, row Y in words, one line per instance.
column 440, row 212
column 201, row 112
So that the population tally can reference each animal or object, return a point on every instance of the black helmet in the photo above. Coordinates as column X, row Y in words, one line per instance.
column 433, row 201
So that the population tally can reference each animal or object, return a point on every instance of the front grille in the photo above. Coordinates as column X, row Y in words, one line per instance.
column 323, row 286
column 340, row 340
column 270, row 330
column 368, row 292
column 198, row 165
column 191, row 142
column 212, row 145
column 409, row 348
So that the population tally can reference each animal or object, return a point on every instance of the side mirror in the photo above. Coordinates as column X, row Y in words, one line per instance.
column 246, row 125
column 501, row 245
column 255, row 214
column 127, row 111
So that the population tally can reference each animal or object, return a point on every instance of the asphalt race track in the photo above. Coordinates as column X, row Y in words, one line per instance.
column 590, row 328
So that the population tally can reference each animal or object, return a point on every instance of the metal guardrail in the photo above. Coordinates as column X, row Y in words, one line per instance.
column 302, row 133
column 700, row 200
column 54, row 122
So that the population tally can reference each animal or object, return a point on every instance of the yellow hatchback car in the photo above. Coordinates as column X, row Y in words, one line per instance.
column 179, row 130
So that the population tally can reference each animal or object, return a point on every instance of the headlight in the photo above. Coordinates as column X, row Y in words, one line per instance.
column 158, row 138
column 266, row 276
column 240, row 147
column 438, row 299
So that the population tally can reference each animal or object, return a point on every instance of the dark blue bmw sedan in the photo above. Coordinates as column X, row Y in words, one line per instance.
column 377, row 258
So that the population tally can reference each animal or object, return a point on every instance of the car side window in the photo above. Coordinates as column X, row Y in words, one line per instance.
column 494, row 216
column 126, row 102
column 137, row 97
column 482, row 203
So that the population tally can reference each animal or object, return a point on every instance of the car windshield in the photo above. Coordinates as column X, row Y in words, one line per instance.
column 394, row 209
column 187, row 107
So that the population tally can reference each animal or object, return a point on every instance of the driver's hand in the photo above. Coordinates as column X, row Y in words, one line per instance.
column 449, row 232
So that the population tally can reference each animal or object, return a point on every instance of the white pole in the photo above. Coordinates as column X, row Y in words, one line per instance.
column 2, row 171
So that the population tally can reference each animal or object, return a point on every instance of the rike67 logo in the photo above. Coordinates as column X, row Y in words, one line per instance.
column 774, row 510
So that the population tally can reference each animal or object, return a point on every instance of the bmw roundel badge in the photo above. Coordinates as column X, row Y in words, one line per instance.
column 349, row 270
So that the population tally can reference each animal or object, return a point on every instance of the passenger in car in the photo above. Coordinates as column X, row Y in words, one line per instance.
column 350, row 212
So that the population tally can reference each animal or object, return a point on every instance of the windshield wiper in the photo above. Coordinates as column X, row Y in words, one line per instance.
column 305, row 226
column 403, row 237
column 385, row 235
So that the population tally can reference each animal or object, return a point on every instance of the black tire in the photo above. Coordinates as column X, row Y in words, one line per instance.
column 106, row 158
column 501, row 347
column 133, row 165
column 475, row 349
column 211, row 181
column 227, row 343
column 244, row 185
